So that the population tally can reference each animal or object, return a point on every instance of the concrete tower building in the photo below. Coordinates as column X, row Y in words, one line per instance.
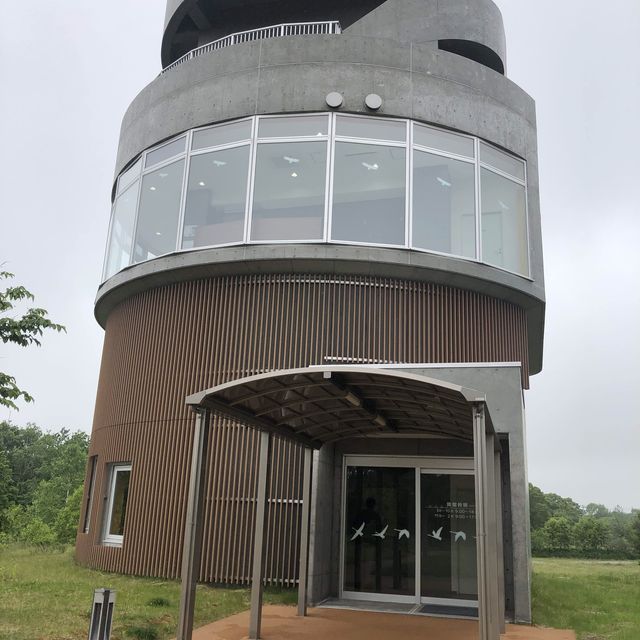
column 321, row 198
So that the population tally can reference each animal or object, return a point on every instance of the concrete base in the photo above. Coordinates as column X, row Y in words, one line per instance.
column 280, row 622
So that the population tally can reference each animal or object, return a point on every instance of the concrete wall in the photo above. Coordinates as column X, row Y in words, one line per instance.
column 189, row 23
column 290, row 75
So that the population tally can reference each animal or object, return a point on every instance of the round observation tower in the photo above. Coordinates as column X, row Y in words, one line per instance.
column 309, row 184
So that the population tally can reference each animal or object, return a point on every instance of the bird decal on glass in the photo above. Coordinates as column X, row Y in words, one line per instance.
column 359, row 532
column 381, row 534
column 436, row 535
column 459, row 535
column 403, row 533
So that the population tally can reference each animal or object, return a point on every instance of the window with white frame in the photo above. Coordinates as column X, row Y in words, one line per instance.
column 323, row 177
column 116, row 503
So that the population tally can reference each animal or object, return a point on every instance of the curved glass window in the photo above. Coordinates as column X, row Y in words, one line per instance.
column 216, row 198
column 444, row 207
column 158, row 212
column 324, row 177
column 289, row 191
column 504, row 222
column 121, row 236
column 369, row 191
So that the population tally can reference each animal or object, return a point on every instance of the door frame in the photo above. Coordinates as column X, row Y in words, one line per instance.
column 421, row 464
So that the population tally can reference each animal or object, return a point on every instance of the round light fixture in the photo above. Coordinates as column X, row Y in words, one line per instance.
column 334, row 99
column 373, row 101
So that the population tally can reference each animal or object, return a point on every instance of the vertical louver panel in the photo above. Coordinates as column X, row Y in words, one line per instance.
column 169, row 342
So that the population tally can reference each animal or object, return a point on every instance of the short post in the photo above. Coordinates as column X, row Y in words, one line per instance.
column 104, row 601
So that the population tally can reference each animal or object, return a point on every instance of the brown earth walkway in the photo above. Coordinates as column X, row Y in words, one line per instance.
column 281, row 623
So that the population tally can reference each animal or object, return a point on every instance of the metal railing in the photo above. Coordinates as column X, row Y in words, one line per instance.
column 274, row 31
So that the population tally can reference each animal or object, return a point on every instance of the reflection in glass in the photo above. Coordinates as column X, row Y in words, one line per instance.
column 444, row 218
column 380, row 530
column 222, row 134
column 448, row 526
column 289, row 191
column 216, row 198
column 308, row 126
column 119, row 502
column 443, row 140
column 373, row 128
column 124, row 217
column 502, row 161
column 369, row 194
column 504, row 223
column 165, row 152
column 159, row 212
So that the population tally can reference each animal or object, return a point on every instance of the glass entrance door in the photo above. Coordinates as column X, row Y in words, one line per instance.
column 448, row 544
column 409, row 532
column 379, row 540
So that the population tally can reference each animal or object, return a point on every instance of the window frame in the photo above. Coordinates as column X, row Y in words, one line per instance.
column 410, row 147
column 88, row 503
column 109, row 539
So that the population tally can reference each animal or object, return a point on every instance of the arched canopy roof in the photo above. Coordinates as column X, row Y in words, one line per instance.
column 318, row 405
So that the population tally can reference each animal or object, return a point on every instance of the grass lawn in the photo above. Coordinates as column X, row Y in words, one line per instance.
column 44, row 595
column 598, row 599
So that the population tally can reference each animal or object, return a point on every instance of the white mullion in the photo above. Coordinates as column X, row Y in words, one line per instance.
column 408, row 230
column 327, row 184
column 252, row 180
column 183, row 195
column 332, row 154
column 526, row 218
column 137, row 217
column 478, row 197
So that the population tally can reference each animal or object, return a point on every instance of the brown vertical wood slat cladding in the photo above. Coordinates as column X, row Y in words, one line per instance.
column 169, row 342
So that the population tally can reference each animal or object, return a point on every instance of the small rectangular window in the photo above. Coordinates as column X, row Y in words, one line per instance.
column 89, row 501
column 117, row 497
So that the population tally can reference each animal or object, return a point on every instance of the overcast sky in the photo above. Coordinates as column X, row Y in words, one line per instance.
column 68, row 71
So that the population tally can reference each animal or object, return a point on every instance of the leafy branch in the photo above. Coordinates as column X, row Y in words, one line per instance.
column 24, row 330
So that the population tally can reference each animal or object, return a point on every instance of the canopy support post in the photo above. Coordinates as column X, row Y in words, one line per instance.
column 491, row 546
column 480, row 474
column 500, row 543
column 260, row 537
column 304, row 532
column 192, row 545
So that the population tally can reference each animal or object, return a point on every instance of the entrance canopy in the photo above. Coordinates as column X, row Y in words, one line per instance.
column 319, row 405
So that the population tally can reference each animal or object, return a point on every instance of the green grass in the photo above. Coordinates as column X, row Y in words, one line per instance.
column 44, row 595
column 598, row 599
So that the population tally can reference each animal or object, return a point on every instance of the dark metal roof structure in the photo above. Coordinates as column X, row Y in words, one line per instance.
column 319, row 405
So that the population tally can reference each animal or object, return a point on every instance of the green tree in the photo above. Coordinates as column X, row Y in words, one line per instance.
column 560, row 507
column 590, row 534
column 558, row 532
column 539, row 511
column 66, row 522
column 596, row 510
column 635, row 527
column 24, row 330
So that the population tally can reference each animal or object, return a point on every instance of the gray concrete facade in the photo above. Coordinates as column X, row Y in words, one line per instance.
column 502, row 387
column 415, row 80
column 435, row 62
